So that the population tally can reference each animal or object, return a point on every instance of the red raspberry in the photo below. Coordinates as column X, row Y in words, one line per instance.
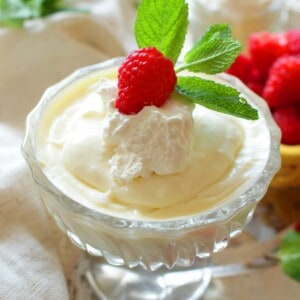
column 288, row 119
column 297, row 227
column 283, row 84
column 293, row 38
column 265, row 48
column 241, row 68
column 145, row 78
column 256, row 87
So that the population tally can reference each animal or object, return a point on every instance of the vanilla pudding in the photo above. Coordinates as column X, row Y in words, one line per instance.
column 170, row 162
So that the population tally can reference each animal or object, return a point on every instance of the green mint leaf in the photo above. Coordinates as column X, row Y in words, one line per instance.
column 162, row 24
column 289, row 254
column 215, row 96
column 214, row 52
column 13, row 13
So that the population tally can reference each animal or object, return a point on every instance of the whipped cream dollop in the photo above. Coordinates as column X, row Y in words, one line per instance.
column 166, row 162
column 156, row 140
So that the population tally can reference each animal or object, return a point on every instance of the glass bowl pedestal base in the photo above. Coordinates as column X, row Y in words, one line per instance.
column 120, row 283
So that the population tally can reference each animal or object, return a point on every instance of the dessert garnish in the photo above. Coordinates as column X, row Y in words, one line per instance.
column 145, row 78
column 272, row 70
column 289, row 252
column 163, row 25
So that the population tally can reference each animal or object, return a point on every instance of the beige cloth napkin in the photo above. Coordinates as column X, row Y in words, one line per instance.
column 33, row 253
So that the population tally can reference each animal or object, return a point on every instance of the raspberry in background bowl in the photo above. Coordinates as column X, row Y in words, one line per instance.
column 271, row 68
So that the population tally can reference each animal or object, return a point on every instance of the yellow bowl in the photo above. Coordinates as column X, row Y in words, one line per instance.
column 289, row 174
column 283, row 196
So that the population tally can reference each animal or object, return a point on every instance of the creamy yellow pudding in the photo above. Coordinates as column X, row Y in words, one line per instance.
column 173, row 161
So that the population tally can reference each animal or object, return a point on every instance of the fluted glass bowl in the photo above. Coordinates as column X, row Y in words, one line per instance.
column 149, row 244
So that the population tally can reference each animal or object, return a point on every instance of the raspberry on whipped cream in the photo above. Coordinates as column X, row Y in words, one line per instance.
column 156, row 140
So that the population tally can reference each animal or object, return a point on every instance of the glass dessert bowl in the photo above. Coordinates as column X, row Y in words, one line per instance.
column 170, row 247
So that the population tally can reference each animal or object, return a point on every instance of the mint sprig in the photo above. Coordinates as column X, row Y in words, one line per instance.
column 215, row 96
column 163, row 24
column 289, row 254
column 214, row 52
